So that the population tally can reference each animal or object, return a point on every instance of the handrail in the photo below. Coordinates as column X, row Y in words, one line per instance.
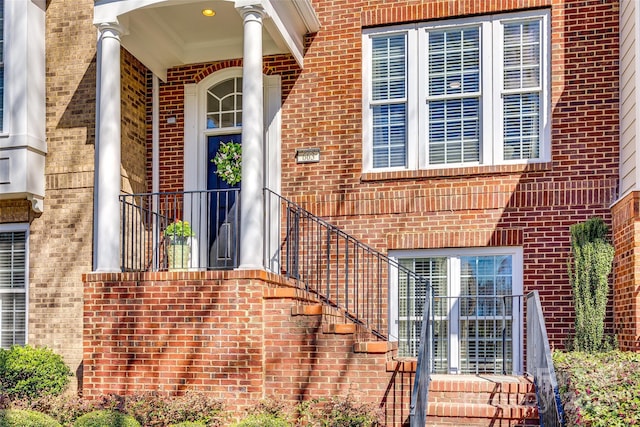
column 540, row 365
column 213, row 216
column 420, row 394
column 330, row 264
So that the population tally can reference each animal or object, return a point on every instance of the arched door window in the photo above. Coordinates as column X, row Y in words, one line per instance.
column 224, row 104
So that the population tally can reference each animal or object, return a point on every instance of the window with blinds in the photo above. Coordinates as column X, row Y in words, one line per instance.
column 13, row 287
column 476, row 313
column 457, row 93
column 389, row 101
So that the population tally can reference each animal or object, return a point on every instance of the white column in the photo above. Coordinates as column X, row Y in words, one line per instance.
column 251, row 195
column 107, row 211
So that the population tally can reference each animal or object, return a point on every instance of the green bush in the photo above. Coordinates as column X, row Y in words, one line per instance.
column 29, row 372
column 189, row 424
column 592, row 258
column 599, row 389
column 157, row 409
column 106, row 418
column 65, row 408
column 340, row 411
column 25, row 418
column 263, row 420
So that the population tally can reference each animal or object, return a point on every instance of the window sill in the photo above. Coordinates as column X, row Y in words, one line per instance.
column 455, row 172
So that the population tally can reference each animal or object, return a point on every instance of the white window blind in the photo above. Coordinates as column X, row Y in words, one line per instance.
column 521, row 77
column 454, row 96
column 389, row 101
column 13, row 280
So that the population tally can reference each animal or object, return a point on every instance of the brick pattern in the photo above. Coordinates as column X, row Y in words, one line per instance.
column 61, row 237
column 174, row 332
column 626, row 240
column 532, row 205
column 237, row 335
column 526, row 205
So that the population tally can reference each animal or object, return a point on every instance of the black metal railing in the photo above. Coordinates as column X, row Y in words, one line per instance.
column 422, row 380
column 213, row 218
column 330, row 264
column 540, row 365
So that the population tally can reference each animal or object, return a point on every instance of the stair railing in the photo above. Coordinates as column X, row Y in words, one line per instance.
column 420, row 394
column 540, row 365
column 330, row 264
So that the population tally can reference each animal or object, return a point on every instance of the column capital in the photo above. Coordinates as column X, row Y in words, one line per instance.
column 250, row 12
column 113, row 29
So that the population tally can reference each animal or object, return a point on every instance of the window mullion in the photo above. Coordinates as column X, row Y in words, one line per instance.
column 415, row 89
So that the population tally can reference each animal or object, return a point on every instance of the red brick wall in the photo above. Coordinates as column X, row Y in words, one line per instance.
column 530, row 206
column 225, row 333
column 626, row 240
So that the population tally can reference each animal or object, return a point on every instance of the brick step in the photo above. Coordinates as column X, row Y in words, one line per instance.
column 481, row 400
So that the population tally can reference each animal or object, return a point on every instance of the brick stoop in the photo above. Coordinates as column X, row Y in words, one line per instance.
column 481, row 400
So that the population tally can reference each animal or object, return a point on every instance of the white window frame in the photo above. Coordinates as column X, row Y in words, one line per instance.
column 491, row 150
column 453, row 256
column 12, row 228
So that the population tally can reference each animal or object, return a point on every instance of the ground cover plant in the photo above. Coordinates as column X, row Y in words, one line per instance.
column 26, row 418
column 599, row 389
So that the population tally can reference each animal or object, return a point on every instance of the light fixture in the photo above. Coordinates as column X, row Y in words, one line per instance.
column 208, row 12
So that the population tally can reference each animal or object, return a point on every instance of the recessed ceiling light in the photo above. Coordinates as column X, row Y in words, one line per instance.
column 208, row 12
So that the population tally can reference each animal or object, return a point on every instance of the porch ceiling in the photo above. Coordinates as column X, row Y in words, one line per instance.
column 168, row 33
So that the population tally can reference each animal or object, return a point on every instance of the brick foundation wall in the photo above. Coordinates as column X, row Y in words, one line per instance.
column 228, row 334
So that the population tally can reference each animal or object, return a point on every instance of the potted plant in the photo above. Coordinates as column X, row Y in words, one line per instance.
column 228, row 161
column 178, row 236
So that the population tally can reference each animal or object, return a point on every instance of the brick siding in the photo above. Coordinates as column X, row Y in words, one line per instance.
column 531, row 206
column 224, row 333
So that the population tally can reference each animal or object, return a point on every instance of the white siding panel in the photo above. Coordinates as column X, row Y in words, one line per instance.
column 629, row 123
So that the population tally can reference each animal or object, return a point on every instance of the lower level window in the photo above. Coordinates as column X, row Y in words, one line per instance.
column 475, row 301
column 13, row 284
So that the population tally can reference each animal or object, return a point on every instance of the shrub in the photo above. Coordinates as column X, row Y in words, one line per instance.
column 106, row 418
column 189, row 424
column 262, row 420
column 30, row 372
column 64, row 408
column 268, row 412
column 25, row 418
column 155, row 409
column 600, row 389
column 592, row 256
column 342, row 411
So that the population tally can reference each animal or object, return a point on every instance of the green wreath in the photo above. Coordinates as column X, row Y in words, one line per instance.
column 228, row 161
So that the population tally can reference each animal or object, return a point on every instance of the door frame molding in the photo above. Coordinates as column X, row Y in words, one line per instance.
column 196, row 133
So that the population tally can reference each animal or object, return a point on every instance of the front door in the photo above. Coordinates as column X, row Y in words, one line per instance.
column 224, row 210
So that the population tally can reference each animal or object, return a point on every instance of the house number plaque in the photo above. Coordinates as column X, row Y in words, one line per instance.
column 307, row 155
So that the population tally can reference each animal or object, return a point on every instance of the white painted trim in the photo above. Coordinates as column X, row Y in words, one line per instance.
column 196, row 133
column 22, row 137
